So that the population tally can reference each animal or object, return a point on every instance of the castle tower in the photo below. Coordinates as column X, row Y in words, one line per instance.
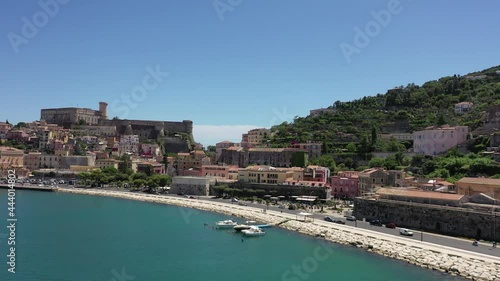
column 103, row 109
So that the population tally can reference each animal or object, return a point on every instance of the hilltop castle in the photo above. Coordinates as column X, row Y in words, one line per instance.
column 68, row 117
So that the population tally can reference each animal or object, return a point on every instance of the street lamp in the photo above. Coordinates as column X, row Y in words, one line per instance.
column 421, row 227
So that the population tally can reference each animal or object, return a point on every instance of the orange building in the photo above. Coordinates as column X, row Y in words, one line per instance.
column 471, row 186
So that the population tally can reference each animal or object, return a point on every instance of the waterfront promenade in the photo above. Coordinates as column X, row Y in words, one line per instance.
column 30, row 187
column 471, row 265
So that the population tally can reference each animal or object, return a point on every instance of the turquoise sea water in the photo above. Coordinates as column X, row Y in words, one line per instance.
column 77, row 237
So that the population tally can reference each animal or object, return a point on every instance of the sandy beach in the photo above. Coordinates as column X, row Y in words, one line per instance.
column 473, row 266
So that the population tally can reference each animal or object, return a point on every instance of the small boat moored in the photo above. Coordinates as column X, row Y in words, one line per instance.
column 241, row 227
column 226, row 224
column 253, row 231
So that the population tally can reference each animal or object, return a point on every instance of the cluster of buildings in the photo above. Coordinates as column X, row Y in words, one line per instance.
column 72, row 140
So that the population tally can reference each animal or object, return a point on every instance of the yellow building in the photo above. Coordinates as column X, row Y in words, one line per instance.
column 103, row 163
column 11, row 157
column 258, row 136
column 264, row 174
column 471, row 186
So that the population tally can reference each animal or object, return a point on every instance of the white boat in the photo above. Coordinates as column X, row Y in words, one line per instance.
column 241, row 227
column 253, row 231
column 226, row 224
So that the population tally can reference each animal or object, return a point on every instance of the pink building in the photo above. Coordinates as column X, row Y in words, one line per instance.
column 149, row 150
column 4, row 129
column 345, row 185
column 191, row 173
column 437, row 140
column 17, row 135
column 155, row 167
column 223, row 145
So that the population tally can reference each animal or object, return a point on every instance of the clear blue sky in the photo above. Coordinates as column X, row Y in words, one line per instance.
column 256, row 65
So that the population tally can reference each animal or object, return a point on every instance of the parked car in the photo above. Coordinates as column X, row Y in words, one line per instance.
column 339, row 221
column 351, row 218
column 376, row 222
column 329, row 219
column 281, row 206
column 242, row 204
column 405, row 232
column 390, row 225
column 192, row 197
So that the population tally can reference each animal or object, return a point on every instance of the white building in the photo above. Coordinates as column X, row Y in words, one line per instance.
column 128, row 144
column 150, row 149
column 192, row 185
column 463, row 107
column 437, row 140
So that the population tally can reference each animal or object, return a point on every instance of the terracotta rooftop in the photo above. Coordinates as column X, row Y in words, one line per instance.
column 266, row 149
column 485, row 181
column 234, row 148
column 8, row 148
column 372, row 170
column 419, row 194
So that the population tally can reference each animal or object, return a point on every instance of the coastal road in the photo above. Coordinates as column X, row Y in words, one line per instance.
column 426, row 237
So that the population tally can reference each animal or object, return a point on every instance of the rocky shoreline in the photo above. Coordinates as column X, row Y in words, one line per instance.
column 466, row 264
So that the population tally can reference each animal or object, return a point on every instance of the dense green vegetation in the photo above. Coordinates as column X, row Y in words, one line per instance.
column 352, row 131
column 134, row 180
column 407, row 109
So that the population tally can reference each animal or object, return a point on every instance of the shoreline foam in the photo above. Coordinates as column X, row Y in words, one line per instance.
column 453, row 261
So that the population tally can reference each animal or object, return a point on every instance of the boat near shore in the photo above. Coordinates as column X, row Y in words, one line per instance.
column 226, row 224
column 241, row 227
column 248, row 225
column 253, row 231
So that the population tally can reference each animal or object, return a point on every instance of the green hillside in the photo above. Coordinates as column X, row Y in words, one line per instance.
column 402, row 109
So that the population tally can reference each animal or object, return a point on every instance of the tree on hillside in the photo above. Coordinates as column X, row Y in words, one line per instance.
column 374, row 136
column 125, row 165
column 326, row 160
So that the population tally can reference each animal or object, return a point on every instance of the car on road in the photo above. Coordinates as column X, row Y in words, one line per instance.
column 235, row 199
column 328, row 219
column 242, row 204
column 390, row 225
column 192, row 197
column 405, row 232
column 351, row 218
column 376, row 222
column 339, row 221
column 281, row 206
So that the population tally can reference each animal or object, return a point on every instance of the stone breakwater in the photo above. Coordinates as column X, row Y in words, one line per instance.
column 466, row 264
